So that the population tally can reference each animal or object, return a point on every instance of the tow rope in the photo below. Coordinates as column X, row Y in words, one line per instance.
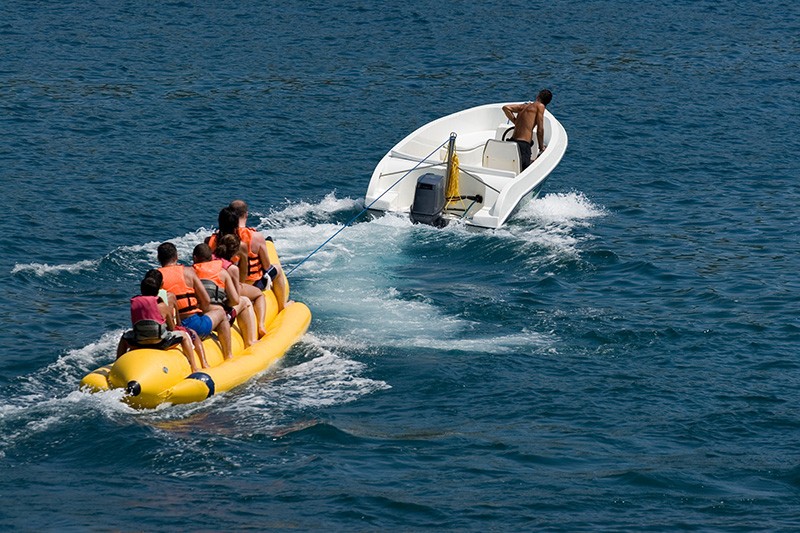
column 349, row 222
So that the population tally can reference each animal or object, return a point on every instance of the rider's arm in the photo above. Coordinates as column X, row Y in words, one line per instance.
column 509, row 111
column 540, row 129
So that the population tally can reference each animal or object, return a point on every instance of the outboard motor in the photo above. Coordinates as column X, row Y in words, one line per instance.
column 429, row 201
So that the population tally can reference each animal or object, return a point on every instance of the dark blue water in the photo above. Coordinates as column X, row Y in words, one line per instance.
column 622, row 355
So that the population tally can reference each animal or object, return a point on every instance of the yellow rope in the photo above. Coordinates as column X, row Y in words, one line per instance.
column 452, row 181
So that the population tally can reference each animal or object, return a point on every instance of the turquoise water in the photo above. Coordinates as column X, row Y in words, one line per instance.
column 622, row 355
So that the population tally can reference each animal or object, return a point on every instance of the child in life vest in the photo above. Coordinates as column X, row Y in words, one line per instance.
column 229, row 251
column 154, row 326
column 222, row 291
column 174, row 315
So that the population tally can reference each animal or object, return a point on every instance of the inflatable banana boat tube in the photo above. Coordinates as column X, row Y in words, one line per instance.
column 154, row 377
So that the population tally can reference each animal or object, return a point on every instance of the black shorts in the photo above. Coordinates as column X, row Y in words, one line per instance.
column 524, row 153
column 269, row 275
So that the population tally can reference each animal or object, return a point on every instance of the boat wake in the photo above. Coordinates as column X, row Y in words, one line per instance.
column 366, row 296
column 558, row 223
column 548, row 221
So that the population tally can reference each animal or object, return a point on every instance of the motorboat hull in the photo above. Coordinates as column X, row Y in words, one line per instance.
column 491, row 186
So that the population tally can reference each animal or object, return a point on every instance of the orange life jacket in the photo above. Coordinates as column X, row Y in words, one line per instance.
column 255, row 270
column 209, row 274
column 175, row 283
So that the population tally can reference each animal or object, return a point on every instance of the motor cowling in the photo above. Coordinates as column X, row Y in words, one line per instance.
column 429, row 200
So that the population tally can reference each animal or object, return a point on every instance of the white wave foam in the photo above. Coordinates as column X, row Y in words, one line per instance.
column 561, row 208
column 293, row 212
column 71, row 366
column 486, row 345
column 43, row 269
column 352, row 280
column 326, row 380
column 38, row 397
column 25, row 416
column 185, row 244
column 131, row 256
column 553, row 222
column 335, row 342
column 270, row 405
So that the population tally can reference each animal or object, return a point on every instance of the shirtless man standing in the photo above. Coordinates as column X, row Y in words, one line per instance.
column 528, row 116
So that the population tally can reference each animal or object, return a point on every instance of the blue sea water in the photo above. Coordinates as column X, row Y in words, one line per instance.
column 623, row 355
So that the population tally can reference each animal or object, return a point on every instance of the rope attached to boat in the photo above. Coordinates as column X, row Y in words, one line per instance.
column 452, row 179
column 349, row 222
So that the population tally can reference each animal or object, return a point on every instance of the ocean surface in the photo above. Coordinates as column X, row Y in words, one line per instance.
column 623, row 355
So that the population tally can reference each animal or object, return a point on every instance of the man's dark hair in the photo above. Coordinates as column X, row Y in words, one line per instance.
column 149, row 286
column 167, row 253
column 155, row 273
column 228, row 221
column 202, row 253
column 239, row 206
column 545, row 96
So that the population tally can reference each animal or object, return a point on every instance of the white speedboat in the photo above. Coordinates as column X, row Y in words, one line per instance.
column 463, row 166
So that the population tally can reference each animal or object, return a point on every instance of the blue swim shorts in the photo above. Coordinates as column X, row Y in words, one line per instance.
column 199, row 322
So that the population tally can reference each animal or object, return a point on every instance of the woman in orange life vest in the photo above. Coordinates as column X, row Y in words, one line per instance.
column 260, row 272
column 153, row 326
column 249, row 266
column 221, row 290
column 228, row 250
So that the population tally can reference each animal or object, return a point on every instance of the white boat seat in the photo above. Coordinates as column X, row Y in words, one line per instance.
column 506, row 128
column 502, row 155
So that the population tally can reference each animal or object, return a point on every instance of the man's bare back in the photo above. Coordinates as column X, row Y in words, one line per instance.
column 525, row 118
column 528, row 116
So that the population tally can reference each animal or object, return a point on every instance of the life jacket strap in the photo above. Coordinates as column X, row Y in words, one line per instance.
column 215, row 294
column 149, row 331
column 254, row 266
column 191, row 304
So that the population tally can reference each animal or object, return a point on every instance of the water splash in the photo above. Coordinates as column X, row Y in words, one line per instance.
column 131, row 259
column 304, row 212
column 557, row 223
column 326, row 380
column 572, row 208
column 43, row 269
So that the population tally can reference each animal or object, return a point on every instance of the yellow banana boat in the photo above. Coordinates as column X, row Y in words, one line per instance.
column 153, row 377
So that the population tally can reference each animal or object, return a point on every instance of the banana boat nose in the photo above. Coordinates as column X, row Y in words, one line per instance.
column 146, row 375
